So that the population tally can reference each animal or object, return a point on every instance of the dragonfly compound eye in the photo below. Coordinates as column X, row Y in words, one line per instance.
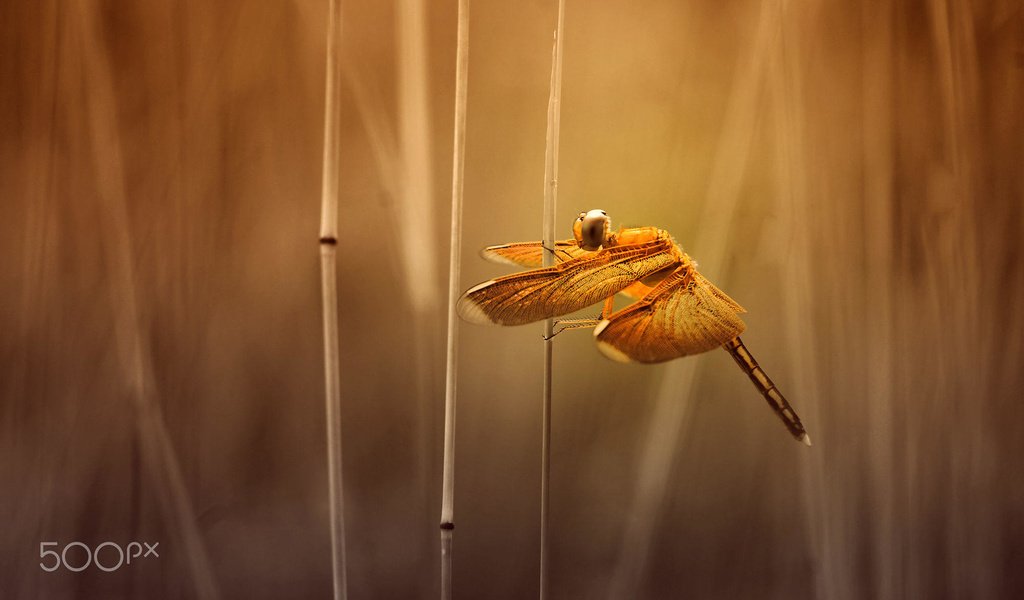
column 593, row 229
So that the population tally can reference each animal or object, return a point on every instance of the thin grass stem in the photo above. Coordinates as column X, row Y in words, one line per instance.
column 329, row 290
column 793, row 179
column 413, row 213
column 668, row 421
column 878, row 160
column 455, row 258
column 159, row 457
column 548, row 239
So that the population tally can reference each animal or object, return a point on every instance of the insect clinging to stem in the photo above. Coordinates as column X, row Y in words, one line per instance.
column 677, row 312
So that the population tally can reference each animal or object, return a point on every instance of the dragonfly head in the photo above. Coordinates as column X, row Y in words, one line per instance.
column 591, row 229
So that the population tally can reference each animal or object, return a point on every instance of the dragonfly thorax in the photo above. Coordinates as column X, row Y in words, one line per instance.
column 591, row 229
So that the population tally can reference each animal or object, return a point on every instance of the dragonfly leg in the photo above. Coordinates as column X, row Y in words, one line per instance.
column 552, row 252
column 608, row 309
column 567, row 324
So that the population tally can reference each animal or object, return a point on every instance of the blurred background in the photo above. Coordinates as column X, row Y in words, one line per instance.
column 851, row 173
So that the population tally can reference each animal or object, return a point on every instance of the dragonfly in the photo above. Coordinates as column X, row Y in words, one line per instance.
column 677, row 312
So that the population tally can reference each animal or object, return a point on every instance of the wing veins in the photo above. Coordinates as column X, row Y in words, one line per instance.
column 688, row 315
column 565, row 287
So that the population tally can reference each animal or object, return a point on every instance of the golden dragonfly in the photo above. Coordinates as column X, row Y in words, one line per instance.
column 677, row 312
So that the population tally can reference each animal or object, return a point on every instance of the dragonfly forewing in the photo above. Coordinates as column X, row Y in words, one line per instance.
column 566, row 287
column 531, row 254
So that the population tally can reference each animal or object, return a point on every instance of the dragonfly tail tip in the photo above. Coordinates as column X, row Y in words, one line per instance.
column 806, row 439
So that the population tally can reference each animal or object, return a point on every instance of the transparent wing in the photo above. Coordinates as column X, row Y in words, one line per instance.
column 566, row 287
column 637, row 290
column 684, row 314
column 530, row 254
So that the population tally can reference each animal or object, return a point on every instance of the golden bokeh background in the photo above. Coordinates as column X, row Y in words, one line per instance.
column 851, row 173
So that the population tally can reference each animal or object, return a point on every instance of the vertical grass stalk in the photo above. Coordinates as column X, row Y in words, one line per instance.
column 329, row 290
column 878, row 160
column 548, row 240
column 136, row 361
column 956, row 266
column 413, row 213
column 829, row 536
column 455, row 257
column 667, row 424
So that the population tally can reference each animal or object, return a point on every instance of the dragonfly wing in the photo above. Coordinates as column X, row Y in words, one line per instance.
column 531, row 254
column 566, row 287
column 685, row 314
column 639, row 289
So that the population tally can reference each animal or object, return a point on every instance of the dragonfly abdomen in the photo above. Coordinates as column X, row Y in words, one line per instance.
column 764, row 384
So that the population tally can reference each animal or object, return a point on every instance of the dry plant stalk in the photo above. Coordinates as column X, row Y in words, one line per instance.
column 455, row 257
column 403, row 164
column 329, row 290
column 668, row 421
column 415, row 219
column 413, row 214
column 878, row 157
column 793, row 175
column 548, row 241
column 158, row 455
column 955, row 274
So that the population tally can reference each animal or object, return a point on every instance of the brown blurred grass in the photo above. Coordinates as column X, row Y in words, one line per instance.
column 859, row 193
